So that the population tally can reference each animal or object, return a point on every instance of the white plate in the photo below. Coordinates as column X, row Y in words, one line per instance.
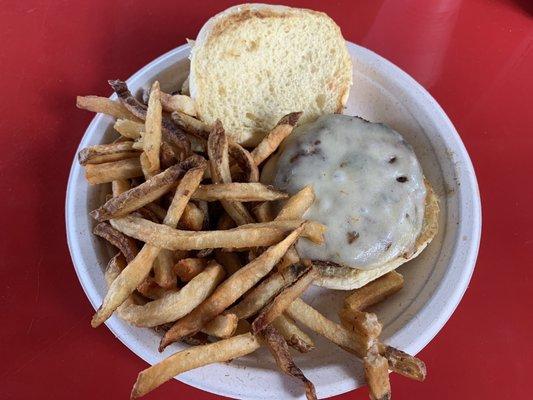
column 434, row 282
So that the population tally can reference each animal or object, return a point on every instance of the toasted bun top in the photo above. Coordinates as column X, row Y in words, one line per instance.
column 252, row 64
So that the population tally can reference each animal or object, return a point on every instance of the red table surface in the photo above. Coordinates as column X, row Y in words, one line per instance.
column 475, row 57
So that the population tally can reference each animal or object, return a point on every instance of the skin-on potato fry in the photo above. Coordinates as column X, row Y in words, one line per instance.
column 259, row 296
column 105, row 106
column 139, row 268
column 126, row 245
column 272, row 141
column 363, row 323
column 238, row 192
column 230, row 261
column 294, row 336
column 191, row 125
column 280, row 351
column 374, row 292
column 229, row 291
column 145, row 166
column 403, row 363
column 175, row 305
column 347, row 340
column 192, row 219
column 150, row 289
column 191, row 358
column 143, row 194
column 128, row 128
column 217, row 149
column 263, row 212
column 163, row 274
column 167, row 155
column 171, row 133
column 377, row 375
column 243, row 237
column 103, row 153
column 152, row 134
column 244, row 160
column 223, row 326
column 119, row 186
column 112, row 171
column 188, row 268
column 178, row 102
column 276, row 307
column 297, row 204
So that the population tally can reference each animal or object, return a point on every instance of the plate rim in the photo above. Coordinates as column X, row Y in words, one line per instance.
column 453, row 298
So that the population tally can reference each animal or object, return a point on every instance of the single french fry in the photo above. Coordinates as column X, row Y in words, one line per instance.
column 294, row 336
column 259, row 296
column 342, row 337
column 192, row 358
column 223, row 326
column 230, row 261
column 112, row 171
column 363, row 323
column 272, row 141
column 374, row 292
column 297, row 204
column 163, row 274
column 145, row 166
column 152, row 135
column 192, row 219
column 244, row 160
column 263, row 212
column 143, row 194
column 175, row 305
column 238, row 192
column 128, row 128
column 120, row 186
column 188, row 268
column 150, row 289
column 229, row 291
column 377, row 375
column 126, row 245
column 217, row 149
column 275, row 308
column 243, row 237
column 191, row 125
column 103, row 153
column 403, row 363
column 225, row 222
column 105, row 106
column 280, row 351
column 178, row 102
column 140, row 267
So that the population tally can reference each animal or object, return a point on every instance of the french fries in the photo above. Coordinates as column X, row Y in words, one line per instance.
column 238, row 192
column 163, row 274
column 141, row 195
column 230, row 261
column 140, row 267
column 152, row 134
column 377, row 375
column 104, row 153
column 112, row 171
column 128, row 128
column 192, row 358
column 294, row 336
column 126, row 245
column 222, row 326
column 403, row 363
column 272, row 141
column 217, row 149
column 188, row 268
column 363, row 323
column 280, row 351
column 374, row 292
column 243, row 237
column 308, row 316
column 259, row 297
column 105, row 106
column 297, row 204
column 173, row 306
column 230, row 290
column 283, row 300
column 178, row 102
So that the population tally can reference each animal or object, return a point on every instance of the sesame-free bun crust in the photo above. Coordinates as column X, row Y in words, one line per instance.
column 254, row 63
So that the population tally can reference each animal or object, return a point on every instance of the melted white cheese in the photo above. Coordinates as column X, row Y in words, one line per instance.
column 369, row 189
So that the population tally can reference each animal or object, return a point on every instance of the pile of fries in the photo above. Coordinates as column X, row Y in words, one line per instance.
column 204, row 258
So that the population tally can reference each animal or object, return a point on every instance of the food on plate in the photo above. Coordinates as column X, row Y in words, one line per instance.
column 371, row 194
column 223, row 258
column 301, row 53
